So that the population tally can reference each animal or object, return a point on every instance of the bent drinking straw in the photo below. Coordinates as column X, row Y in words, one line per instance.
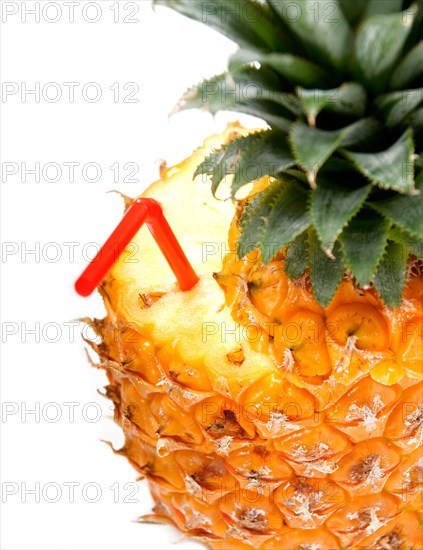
column 141, row 211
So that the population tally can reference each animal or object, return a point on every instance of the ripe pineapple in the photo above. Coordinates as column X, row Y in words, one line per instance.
column 278, row 404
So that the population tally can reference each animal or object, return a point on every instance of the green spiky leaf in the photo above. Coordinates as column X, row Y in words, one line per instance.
column 390, row 277
column 263, row 228
column 415, row 121
column 268, row 155
column 287, row 219
column 353, row 11
column 349, row 99
column 414, row 9
column 224, row 161
column 238, row 91
column 378, row 7
column 254, row 219
column 313, row 101
column 396, row 106
column 297, row 256
column 247, row 22
column 296, row 69
column 363, row 242
column 378, row 45
column 412, row 244
column 250, row 92
column 404, row 210
column 325, row 273
column 409, row 68
column 269, row 111
column 332, row 206
column 321, row 28
column 311, row 147
column 248, row 158
column 360, row 133
column 389, row 169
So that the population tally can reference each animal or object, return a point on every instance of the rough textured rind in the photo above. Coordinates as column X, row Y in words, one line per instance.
column 233, row 480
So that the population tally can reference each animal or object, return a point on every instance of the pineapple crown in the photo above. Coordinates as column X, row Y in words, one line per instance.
column 339, row 83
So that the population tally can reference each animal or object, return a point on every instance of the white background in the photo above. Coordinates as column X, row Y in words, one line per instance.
column 163, row 53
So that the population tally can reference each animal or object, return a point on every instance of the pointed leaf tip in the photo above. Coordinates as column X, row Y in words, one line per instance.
column 378, row 45
column 296, row 257
column 390, row 276
column 363, row 242
column 311, row 147
column 332, row 206
column 325, row 273
column 288, row 218
column 389, row 169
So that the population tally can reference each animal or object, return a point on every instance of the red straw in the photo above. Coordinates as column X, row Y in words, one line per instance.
column 141, row 211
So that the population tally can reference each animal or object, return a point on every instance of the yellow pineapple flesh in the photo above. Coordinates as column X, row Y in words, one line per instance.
column 259, row 418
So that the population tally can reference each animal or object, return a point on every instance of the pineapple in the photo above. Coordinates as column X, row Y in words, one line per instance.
column 278, row 404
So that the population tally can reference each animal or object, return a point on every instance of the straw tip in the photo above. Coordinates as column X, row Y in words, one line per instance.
column 83, row 287
column 188, row 283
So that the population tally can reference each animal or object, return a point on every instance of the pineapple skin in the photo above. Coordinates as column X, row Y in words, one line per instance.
column 267, row 439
